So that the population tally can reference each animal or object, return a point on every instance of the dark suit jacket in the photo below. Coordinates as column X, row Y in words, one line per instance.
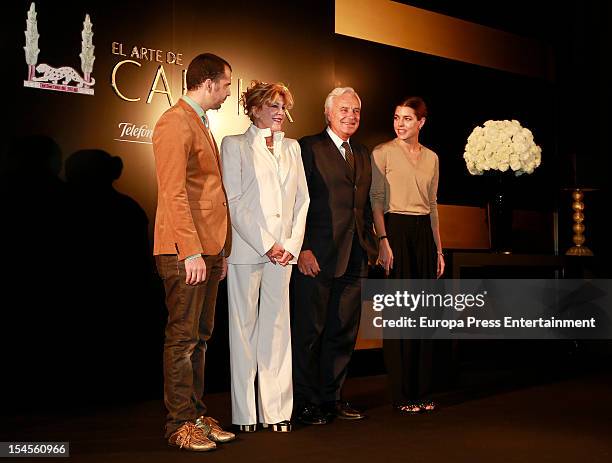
column 338, row 206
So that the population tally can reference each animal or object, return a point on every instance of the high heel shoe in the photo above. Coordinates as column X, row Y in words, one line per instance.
column 246, row 427
column 281, row 426
column 409, row 408
column 428, row 405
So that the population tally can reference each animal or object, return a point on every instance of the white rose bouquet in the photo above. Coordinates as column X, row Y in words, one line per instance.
column 502, row 145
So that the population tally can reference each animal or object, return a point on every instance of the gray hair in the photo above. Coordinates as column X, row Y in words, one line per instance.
column 338, row 91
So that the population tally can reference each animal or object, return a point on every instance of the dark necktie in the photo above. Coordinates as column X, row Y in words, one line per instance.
column 350, row 159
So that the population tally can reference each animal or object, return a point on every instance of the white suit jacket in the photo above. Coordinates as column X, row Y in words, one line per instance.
column 267, row 194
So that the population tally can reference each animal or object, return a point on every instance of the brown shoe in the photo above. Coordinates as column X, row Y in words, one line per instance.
column 191, row 437
column 216, row 434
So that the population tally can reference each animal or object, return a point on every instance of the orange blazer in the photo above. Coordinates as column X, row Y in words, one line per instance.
column 192, row 213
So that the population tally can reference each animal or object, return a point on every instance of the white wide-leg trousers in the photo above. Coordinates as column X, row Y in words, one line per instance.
column 260, row 342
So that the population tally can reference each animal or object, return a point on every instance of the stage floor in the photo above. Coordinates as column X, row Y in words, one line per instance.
column 562, row 421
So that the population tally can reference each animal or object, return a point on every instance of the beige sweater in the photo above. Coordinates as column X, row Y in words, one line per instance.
column 401, row 187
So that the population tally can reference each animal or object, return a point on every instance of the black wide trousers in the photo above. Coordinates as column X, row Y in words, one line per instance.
column 409, row 361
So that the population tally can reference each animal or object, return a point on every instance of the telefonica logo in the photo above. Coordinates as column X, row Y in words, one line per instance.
column 132, row 133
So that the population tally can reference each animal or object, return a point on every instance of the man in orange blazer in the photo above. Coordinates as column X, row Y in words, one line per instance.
column 192, row 241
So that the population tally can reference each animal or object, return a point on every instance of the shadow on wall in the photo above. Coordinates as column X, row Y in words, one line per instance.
column 82, row 308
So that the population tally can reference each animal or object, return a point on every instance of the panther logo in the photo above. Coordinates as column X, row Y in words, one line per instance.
column 65, row 74
column 70, row 80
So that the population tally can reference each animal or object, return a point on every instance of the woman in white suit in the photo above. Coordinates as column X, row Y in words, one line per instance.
column 268, row 202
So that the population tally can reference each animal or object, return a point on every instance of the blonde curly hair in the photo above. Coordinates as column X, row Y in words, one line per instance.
column 260, row 93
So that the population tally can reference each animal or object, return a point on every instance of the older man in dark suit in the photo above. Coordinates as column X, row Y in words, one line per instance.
column 338, row 243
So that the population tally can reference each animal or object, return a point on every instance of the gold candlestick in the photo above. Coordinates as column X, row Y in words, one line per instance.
column 579, row 249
